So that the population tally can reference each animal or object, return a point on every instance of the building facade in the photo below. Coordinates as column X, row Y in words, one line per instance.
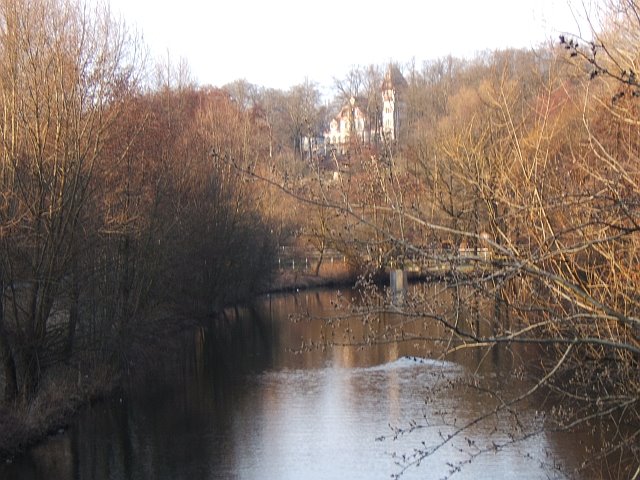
column 352, row 124
column 349, row 124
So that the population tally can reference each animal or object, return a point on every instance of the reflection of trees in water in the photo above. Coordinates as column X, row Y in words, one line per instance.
column 501, row 392
column 191, row 397
column 238, row 341
column 208, row 391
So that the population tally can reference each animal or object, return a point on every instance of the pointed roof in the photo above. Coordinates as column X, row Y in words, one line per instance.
column 345, row 111
column 393, row 79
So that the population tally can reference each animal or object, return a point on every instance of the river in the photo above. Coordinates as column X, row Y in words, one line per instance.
column 266, row 394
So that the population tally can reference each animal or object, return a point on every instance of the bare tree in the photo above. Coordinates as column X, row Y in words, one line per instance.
column 302, row 103
column 244, row 93
column 64, row 69
column 350, row 86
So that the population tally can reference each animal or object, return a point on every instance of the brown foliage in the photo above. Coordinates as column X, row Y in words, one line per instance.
column 117, row 218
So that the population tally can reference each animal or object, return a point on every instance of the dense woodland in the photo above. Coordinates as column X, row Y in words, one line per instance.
column 135, row 203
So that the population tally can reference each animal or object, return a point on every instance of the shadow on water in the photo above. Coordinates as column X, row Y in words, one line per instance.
column 168, row 419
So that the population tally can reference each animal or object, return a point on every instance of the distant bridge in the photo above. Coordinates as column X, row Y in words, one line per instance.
column 436, row 261
column 292, row 258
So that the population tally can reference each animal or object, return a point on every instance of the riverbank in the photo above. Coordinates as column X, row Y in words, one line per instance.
column 329, row 276
column 65, row 389
column 63, row 392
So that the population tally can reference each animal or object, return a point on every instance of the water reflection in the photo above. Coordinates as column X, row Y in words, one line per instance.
column 261, row 395
column 323, row 423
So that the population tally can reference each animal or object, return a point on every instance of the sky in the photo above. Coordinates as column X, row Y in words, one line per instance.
column 281, row 43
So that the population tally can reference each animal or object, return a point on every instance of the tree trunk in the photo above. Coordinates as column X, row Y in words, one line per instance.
column 6, row 357
column 73, row 320
column 31, row 374
column 9, row 370
column 319, row 264
column 73, row 314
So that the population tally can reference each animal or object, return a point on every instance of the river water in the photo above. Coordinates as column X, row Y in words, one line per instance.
column 268, row 395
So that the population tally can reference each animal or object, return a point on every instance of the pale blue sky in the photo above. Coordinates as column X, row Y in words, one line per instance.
column 279, row 43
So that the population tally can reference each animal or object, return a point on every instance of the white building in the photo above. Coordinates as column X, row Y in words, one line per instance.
column 350, row 123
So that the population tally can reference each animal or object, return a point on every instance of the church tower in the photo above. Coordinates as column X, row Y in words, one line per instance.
column 393, row 87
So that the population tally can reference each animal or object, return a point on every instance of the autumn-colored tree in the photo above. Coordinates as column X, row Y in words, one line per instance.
column 542, row 165
column 183, row 235
column 121, row 216
column 528, row 165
